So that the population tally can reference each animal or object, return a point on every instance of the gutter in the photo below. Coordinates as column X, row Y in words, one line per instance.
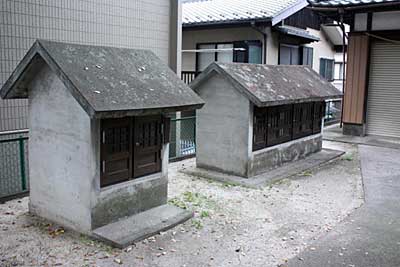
column 226, row 23
column 253, row 26
column 352, row 7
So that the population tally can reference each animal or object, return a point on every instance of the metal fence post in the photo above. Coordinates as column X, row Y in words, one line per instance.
column 22, row 162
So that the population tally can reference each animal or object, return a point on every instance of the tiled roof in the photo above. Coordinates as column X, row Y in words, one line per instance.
column 228, row 11
column 344, row 3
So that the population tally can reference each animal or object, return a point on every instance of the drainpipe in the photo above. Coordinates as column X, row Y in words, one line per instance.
column 253, row 25
column 341, row 12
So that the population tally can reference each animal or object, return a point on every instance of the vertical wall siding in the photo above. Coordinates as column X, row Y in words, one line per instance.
column 357, row 69
column 121, row 23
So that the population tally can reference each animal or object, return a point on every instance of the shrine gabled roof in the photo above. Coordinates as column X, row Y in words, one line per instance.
column 272, row 85
column 106, row 81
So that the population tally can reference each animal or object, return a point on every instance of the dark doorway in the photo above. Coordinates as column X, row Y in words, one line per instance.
column 130, row 148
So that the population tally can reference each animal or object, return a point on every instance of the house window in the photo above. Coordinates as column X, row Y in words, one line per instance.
column 255, row 52
column 326, row 68
column 241, row 51
column 289, row 55
column 308, row 56
column 130, row 148
column 295, row 55
column 225, row 56
column 205, row 58
column 338, row 71
column 280, row 124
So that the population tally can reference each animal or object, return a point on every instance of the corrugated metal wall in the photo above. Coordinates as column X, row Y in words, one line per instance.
column 122, row 23
column 383, row 108
column 357, row 68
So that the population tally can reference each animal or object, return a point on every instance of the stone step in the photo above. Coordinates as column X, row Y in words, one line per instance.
column 132, row 229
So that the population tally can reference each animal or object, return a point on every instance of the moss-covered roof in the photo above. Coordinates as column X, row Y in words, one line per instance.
column 271, row 85
column 106, row 81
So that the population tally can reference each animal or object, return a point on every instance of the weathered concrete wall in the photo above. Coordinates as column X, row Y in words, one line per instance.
column 62, row 165
column 128, row 198
column 64, row 160
column 354, row 129
column 124, row 199
column 273, row 157
column 222, row 128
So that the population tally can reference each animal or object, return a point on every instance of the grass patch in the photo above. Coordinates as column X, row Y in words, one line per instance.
column 306, row 173
column 204, row 214
column 227, row 184
column 199, row 203
column 88, row 241
column 197, row 224
column 348, row 157
column 178, row 203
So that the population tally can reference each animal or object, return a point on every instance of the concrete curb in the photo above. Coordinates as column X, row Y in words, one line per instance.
column 267, row 178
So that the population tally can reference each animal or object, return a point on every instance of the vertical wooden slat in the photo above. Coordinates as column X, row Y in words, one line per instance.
column 357, row 68
column 349, row 80
column 356, row 80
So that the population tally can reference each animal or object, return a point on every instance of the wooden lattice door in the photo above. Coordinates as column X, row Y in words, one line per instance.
column 116, row 151
column 147, row 145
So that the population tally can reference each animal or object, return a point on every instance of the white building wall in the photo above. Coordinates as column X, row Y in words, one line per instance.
column 133, row 24
column 322, row 49
column 193, row 37
column 272, row 47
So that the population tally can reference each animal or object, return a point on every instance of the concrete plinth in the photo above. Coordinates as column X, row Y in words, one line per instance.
column 272, row 157
column 138, row 227
column 264, row 179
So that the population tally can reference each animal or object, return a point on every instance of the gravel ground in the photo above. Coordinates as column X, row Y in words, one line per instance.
column 233, row 225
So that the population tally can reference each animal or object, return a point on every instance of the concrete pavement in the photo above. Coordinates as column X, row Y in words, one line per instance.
column 371, row 235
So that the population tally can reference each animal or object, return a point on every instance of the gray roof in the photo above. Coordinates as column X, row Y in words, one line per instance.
column 234, row 11
column 272, row 85
column 106, row 81
column 348, row 3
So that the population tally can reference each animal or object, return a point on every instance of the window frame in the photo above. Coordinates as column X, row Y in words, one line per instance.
column 323, row 64
column 291, row 47
column 236, row 44
column 308, row 49
column 340, row 72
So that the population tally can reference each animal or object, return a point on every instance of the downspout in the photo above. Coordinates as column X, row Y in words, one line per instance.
column 341, row 12
column 253, row 25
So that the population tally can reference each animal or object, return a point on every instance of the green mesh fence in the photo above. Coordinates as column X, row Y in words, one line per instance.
column 182, row 137
column 333, row 111
column 13, row 165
